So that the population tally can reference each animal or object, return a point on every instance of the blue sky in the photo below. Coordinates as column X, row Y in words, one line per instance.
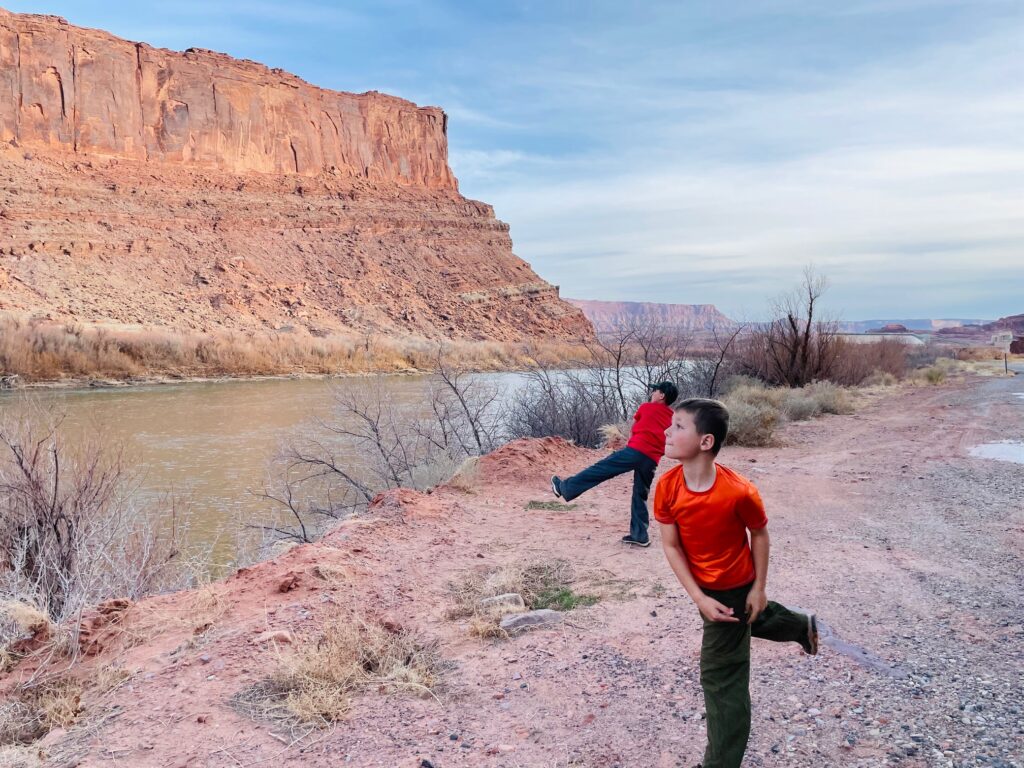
column 693, row 152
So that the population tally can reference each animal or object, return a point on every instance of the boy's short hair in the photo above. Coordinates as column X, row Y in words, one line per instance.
column 710, row 417
column 668, row 389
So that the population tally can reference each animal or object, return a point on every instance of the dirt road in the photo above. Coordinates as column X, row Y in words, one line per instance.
column 881, row 522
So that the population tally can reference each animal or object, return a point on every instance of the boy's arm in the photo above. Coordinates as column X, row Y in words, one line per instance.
column 676, row 557
column 757, row 598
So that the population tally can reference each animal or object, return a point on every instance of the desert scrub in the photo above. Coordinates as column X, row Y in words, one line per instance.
column 756, row 410
column 315, row 684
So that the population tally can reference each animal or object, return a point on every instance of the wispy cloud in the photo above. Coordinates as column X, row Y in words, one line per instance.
column 699, row 151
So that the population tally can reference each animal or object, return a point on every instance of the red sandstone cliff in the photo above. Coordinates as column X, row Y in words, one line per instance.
column 612, row 316
column 86, row 91
column 193, row 190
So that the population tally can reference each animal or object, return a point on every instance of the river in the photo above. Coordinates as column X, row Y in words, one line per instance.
column 213, row 444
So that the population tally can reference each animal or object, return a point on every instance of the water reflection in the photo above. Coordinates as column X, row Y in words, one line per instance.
column 212, row 443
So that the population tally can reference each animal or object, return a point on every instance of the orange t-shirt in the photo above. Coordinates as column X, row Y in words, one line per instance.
column 713, row 525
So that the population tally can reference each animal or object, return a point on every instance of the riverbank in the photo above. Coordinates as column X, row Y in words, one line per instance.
column 881, row 522
column 49, row 354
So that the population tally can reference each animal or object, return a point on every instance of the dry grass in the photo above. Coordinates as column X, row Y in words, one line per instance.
column 755, row 411
column 35, row 710
column 45, row 351
column 315, row 684
column 467, row 477
column 19, row 620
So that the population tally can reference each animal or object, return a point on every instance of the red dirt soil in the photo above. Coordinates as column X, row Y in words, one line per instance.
column 879, row 522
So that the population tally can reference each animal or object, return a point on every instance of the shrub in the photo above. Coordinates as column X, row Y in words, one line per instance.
column 935, row 375
column 828, row 398
column 799, row 405
column 855, row 363
column 751, row 424
column 70, row 533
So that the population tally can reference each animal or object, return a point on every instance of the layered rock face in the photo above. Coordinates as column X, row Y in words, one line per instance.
column 146, row 187
column 87, row 91
column 613, row 316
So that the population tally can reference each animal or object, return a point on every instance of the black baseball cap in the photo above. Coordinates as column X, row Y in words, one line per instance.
column 668, row 389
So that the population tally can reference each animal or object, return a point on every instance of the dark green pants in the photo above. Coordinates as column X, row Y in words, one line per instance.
column 725, row 671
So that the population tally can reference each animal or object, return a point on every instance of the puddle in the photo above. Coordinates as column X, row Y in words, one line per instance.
column 1007, row 450
column 860, row 655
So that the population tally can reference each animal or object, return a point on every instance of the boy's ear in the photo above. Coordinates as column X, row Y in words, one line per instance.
column 707, row 442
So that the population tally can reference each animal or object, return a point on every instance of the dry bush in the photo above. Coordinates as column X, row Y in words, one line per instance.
column 979, row 354
column 855, row 363
column 880, row 379
column 315, row 684
column 751, row 424
column 934, row 375
column 71, row 532
column 615, row 434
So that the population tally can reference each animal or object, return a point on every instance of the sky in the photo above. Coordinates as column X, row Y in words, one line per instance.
column 691, row 151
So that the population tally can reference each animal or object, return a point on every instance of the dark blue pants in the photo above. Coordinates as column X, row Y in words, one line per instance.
column 620, row 462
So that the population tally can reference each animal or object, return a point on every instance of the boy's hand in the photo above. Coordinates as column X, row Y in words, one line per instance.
column 714, row 610
column 756, row 602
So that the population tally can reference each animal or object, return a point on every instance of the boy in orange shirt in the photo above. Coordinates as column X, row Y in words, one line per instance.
column 705, row 511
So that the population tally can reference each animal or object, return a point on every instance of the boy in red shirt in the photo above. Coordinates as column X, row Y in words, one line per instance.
column 641, row 456
column 705, row 511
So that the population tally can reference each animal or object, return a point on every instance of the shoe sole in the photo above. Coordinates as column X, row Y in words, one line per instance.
column 812, row 634
column 554, row 488
column 637, row 543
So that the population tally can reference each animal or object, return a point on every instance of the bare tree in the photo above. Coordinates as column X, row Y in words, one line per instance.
column 72, row 532
column 796, row 346
column 708, row 369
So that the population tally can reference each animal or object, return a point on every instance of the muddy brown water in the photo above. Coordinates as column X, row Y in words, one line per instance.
column 213, row 444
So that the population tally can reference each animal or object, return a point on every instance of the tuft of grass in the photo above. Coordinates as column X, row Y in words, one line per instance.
column 934, row 375
column 315, row 684
column 553, row 506
column 563, row 599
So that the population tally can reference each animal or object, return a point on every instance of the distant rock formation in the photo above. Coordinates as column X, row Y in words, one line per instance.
column 612, row 316
column 1012, row 323
column 914, row 324
column 147, row 187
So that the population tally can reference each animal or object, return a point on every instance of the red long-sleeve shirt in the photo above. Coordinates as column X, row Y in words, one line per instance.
column 649, row 425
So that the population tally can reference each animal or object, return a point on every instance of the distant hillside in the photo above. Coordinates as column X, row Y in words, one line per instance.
column 1013, row 323
column 914, row 324
column 611, row 316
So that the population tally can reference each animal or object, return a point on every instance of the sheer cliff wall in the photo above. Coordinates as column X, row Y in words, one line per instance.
column 144, row 187
column 87, row 91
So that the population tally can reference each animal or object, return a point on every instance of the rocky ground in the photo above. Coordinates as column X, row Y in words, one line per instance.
column 881, row 522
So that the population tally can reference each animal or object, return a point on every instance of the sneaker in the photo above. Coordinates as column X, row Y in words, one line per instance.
column 811, row 647
column 636, row 542
column 556, row 486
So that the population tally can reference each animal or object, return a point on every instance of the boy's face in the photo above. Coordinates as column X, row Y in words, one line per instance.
column 657, row 396
column 682, row 441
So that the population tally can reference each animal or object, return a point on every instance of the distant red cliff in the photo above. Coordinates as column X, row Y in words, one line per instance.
column 611, row 316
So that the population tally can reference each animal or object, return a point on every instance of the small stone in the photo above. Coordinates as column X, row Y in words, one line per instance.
column 205, row 658
column 510, row 602
column 274, row 636
column 522, row 622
